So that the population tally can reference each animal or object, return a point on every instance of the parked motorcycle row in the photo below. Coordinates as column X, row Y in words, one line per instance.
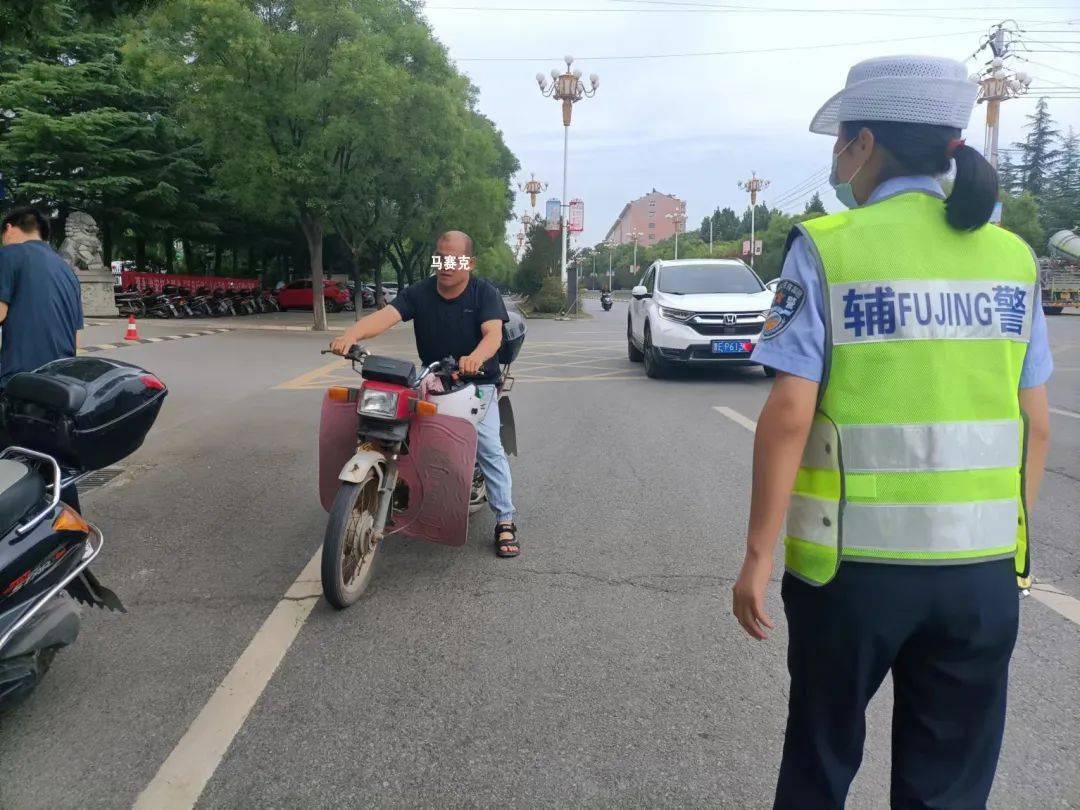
column 180, row 302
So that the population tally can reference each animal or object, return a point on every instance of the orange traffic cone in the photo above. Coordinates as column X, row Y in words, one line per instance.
column 132, row 329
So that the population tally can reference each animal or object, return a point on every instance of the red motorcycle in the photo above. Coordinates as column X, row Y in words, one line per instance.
column 397, row 455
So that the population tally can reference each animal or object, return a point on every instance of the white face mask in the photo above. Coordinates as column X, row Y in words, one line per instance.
column 844, row 192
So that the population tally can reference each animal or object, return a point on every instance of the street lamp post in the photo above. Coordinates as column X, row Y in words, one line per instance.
column 635, row 236
column 678, row 217
column 610, row 249
column 569, row 89
column 753, row 185
column 532, row 188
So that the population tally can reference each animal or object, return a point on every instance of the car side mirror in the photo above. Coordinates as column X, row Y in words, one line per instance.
column 640, row 291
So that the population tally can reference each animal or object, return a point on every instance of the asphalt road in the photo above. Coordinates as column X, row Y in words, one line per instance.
column 601, row 668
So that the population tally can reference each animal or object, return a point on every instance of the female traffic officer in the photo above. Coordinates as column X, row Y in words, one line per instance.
column 908, row 419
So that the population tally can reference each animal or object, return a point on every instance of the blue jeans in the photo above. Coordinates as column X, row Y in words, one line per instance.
column 492, row 459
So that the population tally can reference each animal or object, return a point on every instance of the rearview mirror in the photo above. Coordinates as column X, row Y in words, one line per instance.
column 640, row 291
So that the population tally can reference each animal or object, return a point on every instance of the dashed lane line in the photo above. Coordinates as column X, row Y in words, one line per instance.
column 1061, row 603
column 736, row 417
column 1063, row 412
column 106, row 347
column 183, row 776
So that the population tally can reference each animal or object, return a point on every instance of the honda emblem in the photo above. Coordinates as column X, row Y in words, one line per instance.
column 729, row 319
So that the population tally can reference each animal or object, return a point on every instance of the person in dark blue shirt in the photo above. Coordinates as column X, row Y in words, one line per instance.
column 40, row 299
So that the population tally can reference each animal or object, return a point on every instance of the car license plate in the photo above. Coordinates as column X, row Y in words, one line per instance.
column 730, row 347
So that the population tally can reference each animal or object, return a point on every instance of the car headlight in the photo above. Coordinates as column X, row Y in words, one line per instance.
column 380, row 404
column 679, row 315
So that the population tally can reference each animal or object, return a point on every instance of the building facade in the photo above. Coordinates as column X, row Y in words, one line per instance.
column 648, row 216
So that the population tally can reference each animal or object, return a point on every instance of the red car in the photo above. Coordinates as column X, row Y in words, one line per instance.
column 298, row 296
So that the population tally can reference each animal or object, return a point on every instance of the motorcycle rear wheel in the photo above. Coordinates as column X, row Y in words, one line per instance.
column 349, row 550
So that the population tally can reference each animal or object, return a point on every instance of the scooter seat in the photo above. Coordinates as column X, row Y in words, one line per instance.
column 21, row 489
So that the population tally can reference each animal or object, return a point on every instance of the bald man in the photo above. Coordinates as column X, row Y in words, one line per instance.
column 455, row 314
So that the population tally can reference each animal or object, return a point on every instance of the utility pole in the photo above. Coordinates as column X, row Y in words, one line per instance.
column 753, row 185
column 996, row 86
column 710, row 234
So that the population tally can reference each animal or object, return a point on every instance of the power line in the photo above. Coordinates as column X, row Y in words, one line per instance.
column 1048, row 67
column 899, row 12
column 794, row 202
column 745, row 52
column 810, row 182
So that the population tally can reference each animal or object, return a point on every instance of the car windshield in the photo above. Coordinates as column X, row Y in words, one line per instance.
column 691, row 279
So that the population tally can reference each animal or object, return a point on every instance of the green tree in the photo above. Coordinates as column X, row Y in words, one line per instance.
column 1008, row 175
column 814, row 205
column 82, row 134
column 1061, row 203
column 762, row 215
column 1020, row 214
column 1038, row 154
column 539, row 261
column 294, row 102
column 726, row 225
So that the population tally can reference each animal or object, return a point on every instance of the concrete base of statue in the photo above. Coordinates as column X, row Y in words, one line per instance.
column 98, row 300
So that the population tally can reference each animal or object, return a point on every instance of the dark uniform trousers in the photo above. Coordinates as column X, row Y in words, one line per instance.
column 946, row 632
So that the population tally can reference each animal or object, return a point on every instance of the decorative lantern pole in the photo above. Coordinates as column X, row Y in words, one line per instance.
column 568, row 88
column 678, row 217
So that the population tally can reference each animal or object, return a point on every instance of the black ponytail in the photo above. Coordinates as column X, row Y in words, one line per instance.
column 975, row 190
column 924, row 149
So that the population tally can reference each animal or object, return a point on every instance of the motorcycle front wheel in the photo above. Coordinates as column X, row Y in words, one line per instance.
column 349, row 547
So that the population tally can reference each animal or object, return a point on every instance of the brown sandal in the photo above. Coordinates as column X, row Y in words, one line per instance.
column 506, row 546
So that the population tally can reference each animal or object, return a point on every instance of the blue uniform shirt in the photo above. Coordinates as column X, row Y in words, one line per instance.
column 799, row 348
column 44, row 308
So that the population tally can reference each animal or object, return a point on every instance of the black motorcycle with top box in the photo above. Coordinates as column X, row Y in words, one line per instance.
column 63, row 421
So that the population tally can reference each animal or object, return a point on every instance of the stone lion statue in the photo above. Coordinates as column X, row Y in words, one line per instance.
column 81, row 247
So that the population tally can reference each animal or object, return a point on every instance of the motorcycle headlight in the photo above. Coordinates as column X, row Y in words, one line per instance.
column 679, row 315
column 380, row 404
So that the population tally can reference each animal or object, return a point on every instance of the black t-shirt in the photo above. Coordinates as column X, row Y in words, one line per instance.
column 452, row 328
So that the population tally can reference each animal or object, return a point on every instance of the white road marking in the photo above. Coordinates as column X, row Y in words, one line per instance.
column 1058, row 601
column 736, row 417
column 182, row 777
column 1063, row 412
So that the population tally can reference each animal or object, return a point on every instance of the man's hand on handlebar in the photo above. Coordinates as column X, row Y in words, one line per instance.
column 470, row 365
column 341, row 345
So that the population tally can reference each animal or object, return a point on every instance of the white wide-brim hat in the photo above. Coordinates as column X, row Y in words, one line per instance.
column 906, row 89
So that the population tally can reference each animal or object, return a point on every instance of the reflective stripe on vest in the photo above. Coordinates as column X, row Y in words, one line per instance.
column 916, row 447
column 916, row 452
column 980, row 528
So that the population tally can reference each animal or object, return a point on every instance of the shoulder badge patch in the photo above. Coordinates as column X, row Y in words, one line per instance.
column 787, row 302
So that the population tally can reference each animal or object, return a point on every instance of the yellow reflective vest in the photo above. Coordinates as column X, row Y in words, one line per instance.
column 916, row 454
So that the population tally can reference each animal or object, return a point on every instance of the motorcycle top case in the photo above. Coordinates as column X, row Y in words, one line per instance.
column 513, row 338
column 88, row 412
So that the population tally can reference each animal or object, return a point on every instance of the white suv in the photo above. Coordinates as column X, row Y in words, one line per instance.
column 695, row 312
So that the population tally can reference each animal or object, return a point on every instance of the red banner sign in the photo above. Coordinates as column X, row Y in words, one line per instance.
column 156, row 281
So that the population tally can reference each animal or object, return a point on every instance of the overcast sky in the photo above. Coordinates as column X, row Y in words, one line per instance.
column 694, row 126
